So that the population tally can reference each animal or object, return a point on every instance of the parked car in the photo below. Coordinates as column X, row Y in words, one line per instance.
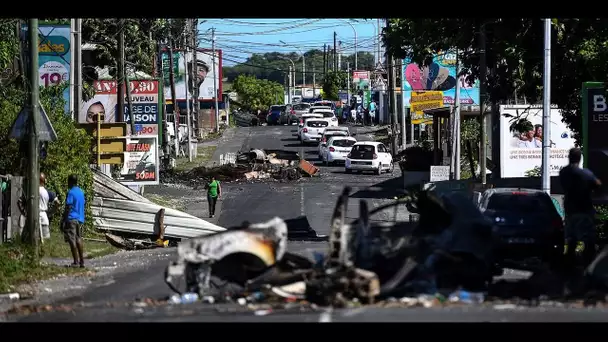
column 301, row 108
column 328, row 134
column 325, row 103
column 288, row 117
column 313, row 130
column 369, row 156
column 274, row 114
column 328, row 114
column 303, row 121
column 312, row 109
column 529, row 228
column 337, row 149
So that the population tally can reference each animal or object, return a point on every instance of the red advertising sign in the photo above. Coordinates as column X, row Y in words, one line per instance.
column 361, row 75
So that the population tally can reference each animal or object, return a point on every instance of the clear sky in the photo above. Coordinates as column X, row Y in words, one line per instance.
column 239, row 38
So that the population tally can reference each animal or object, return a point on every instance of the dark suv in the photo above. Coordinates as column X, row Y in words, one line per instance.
column 528, row 227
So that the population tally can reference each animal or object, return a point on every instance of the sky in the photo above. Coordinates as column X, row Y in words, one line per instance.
column 239, row 38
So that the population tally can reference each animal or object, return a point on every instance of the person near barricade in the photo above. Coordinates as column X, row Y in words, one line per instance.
column 214, row 192
column 73, row 221
column 372, row 113
column 45, row 200
column 578, row 185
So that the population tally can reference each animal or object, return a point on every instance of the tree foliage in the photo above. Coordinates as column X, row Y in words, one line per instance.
column 332, row 83
column 514, row 54
column 69, row 154
column 257, row 94
column 274, row 65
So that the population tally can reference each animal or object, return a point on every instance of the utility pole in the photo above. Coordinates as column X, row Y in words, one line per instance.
column 188, row 123
column 120, row 90
column 33, row 181
column 161, row 71
column 76, row 68
column 196, row 105
column 335, row 54
column 314, row 81
column 324, row 59
column 173, row 99
column 289, row 85
column 130, row 102
column 456, row 124
column 348, row 83
column 403, row 111
column 546, row 163
column 72, row 69
column 393, row 104
column 215, row 75
column 340, row 55
column 482, row 102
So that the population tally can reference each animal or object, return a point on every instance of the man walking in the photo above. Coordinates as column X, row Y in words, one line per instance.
column 372, row 113
column 578, row 184
column 214, row 191
column 73, row 219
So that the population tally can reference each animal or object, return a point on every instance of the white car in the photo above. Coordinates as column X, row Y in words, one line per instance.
column 337, row 149
column 369, row 156
column 328, row 134
column 314, row 108
column 329, row 115
column 313, row 130
column 303, row 120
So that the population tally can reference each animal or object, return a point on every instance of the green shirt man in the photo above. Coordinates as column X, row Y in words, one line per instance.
column 214, row 191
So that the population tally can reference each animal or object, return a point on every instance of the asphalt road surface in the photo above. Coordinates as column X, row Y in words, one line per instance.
column 314, row 198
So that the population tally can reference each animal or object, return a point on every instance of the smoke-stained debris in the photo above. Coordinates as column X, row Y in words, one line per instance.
column 256, row 164
column 444, row 258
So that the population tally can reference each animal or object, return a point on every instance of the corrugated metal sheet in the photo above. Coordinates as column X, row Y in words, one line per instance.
column 117, row 208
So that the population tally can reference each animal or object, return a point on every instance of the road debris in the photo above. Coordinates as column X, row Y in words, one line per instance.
column 256, row 164
column 446, row 257
column 134, row 244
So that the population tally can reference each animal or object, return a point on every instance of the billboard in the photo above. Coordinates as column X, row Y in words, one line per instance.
column 145, row 97
column 439, row 76
column 360, row 75
column 54, row 57
column 521, row 136
column 595, row 144
column 141, row 165
column 205, row 76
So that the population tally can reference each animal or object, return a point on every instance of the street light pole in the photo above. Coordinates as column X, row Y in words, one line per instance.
column 303, row 65
column 546, row 161
column 355, row 31
column 290, row 80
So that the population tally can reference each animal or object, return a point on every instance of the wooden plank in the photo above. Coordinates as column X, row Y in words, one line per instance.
column 109, row 158
column 108, row 129
column 110, row 145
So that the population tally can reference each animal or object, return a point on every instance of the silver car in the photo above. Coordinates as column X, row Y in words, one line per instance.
column 301, row 108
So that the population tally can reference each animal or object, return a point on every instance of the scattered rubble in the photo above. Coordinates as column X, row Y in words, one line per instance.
column 444, row 258
column 279, row 165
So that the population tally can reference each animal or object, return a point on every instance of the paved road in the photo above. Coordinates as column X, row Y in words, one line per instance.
column 314, row 198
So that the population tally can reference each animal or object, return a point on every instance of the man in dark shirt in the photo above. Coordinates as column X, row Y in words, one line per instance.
column 73, row 219
column 578, row 184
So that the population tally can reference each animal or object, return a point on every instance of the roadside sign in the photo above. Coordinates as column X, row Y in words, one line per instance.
column 108, row 129
column 109, row 158
column 440, row 173
column 111, row 145
column 595, row 145
column 46, row 132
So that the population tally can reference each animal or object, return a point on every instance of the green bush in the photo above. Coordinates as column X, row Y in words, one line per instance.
column 69, row 154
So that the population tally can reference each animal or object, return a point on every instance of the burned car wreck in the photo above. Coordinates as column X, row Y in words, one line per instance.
column 448, row 249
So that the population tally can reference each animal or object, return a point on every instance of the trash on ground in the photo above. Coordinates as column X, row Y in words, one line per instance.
column 256, row 164
column 446, row 257
column 134, row 244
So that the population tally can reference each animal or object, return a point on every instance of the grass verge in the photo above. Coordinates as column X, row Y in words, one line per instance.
column 205, row 153
column 165, row 202
column 18, row 267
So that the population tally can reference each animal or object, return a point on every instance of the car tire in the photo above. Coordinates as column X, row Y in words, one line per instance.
column 347, row 170
column 379, row 170
column 391, row 168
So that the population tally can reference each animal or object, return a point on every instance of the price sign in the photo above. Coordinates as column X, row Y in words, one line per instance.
column 53, row 73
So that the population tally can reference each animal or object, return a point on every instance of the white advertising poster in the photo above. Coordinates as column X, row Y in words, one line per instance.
column 521, row 136
column 205, row 76
column 141, row 162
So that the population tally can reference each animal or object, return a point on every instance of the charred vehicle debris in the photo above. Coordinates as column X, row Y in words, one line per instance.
column 445, row 256
column 255, row 164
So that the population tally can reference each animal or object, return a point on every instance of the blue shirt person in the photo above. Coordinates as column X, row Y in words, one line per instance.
column 73, row 220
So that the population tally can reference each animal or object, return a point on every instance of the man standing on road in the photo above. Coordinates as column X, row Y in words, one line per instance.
column 214, row 191
column 372, row 113
column 578, row 184
column 73, row 220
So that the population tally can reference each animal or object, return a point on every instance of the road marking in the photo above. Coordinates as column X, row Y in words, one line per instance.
column 325, row 317
column 353, row 312
column 302, row 209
